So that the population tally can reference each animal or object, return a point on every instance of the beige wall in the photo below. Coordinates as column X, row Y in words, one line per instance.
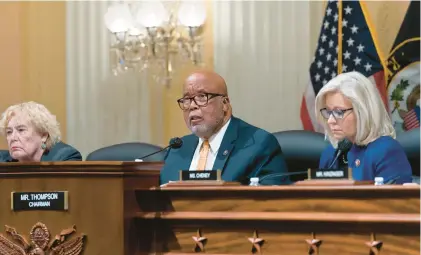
column 32, row 62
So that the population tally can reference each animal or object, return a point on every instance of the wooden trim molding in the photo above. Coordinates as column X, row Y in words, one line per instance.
column 284, row 216
column 415, row 188
column 78, row 168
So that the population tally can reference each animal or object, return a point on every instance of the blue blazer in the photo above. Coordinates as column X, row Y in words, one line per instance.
column 59, row 152
column 383, row 157
column 252, row 152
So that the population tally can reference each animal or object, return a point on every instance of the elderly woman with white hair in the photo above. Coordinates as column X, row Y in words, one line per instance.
column 33, row 135
column 349, row 107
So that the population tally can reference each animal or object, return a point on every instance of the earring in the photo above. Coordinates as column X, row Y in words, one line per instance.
column 43, row 146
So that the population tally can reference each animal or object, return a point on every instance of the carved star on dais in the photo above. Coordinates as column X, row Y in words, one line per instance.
column 374, row 245
column 257, row 243
column 314, row 244
column 200, row 241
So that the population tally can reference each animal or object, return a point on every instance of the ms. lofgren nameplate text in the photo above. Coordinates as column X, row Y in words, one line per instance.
column 50, row 201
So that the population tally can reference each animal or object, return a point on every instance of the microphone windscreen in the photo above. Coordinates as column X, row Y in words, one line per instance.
column 176, row 143
column 344, row 145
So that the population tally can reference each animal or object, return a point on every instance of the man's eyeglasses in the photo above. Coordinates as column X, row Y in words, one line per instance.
column 337, row 113
column 200, row 100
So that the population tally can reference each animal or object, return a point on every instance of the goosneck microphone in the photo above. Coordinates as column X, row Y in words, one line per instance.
column 281, row 175
column 175, row 143
column 343, row 147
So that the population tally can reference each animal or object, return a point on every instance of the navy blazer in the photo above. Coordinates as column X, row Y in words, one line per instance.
column 246, row 151
column 59, row 152
column 383, row 157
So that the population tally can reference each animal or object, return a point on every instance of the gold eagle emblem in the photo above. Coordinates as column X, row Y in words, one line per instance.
column 40, row 243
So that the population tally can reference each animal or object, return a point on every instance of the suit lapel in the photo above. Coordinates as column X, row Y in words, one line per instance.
column 188, row 148
column 10, row 159
column 45, row 157
column 227, row 145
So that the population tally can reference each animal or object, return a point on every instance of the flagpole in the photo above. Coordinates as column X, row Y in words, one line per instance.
column 340, row 36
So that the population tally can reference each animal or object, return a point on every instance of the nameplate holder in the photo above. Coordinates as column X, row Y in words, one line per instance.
column 331, row 177
column 330, row 174
column 40, row 201
column 191, row 178
column 195, row 175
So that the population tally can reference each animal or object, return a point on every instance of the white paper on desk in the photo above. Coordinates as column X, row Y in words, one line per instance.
column 165, row 184
column 410, row 184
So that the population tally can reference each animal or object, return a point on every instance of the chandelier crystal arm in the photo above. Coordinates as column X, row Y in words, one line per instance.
column 152, row 33
column 156, row 37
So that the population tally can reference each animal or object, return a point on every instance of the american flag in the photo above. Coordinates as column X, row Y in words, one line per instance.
column 345, row 22
column 412, row 119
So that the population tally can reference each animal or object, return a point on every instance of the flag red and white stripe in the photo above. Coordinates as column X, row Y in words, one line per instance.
column 411, row 119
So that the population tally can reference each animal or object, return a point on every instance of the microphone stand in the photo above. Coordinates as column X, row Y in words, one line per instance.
column 153, row 153
column 281, row 175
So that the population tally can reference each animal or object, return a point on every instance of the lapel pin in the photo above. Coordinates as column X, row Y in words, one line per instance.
column 225, row 152
column 357, row 162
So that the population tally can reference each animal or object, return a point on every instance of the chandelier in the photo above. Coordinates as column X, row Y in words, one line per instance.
column 155, row 36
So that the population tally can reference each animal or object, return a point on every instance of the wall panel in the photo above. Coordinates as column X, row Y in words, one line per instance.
column 32, row 50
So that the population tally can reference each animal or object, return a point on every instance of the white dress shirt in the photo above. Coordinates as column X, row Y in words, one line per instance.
column 214, row 143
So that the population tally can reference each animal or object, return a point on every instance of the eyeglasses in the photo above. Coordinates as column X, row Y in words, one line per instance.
column 199, row 100
column 337, row 113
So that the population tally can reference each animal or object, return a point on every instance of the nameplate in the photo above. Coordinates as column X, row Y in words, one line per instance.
column 330, row 174
column 190, row 175
column 48, row 201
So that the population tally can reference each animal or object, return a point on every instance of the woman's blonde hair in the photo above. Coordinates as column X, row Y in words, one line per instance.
column 372, row 117
column 42, row 119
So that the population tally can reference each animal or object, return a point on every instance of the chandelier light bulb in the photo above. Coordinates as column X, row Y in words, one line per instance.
column 136, row 31
column 151, row 14
column 192, row 13
column 118, row 18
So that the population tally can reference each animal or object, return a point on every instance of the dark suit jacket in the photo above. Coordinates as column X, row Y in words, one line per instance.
column 249, row 152
column 59, row 152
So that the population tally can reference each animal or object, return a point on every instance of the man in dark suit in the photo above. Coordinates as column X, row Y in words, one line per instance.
column 220, row 140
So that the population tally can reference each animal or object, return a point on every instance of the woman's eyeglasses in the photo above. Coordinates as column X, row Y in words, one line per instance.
column 337, row 113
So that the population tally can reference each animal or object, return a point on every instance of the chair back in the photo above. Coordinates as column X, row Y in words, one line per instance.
column 4, row 155
column 302, row 149
column 410, row 142
column 127, row 152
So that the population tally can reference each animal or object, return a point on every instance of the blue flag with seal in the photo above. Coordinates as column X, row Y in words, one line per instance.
column 403, row 68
